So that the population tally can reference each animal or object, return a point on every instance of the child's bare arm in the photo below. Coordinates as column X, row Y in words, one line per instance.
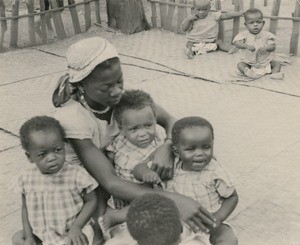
column 242, row 45
column 230, row 15
column 143, row 173
column 75, row 235
column 188, row 23
column 27, row 230
column 227, row 208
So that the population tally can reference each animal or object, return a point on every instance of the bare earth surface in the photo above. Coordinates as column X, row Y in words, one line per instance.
column 256, row 123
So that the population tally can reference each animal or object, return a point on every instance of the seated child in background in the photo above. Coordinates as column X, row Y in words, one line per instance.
column 58, row 198
column 257, row 48
column 154, row 219
column 202, row 29
column 202, row 178
column 138, row 139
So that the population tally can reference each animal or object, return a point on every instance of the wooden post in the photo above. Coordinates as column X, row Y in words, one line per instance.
column 3, row 23
column 221, row 34
column 295, row 30
column 87, row 15
column 14, row 24
column 31, row 30
column 238, row 6
column 252, row 4
column 58, row 23
column 171, row 10
column 182, row 14
column 265, row 2
column 74, row 16
column 154, row 15
column 275, row 12
column 97, row 11
column 163, row 14
column 43, row 22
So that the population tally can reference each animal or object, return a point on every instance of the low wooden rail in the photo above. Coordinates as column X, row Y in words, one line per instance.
column 169, row 15
column 54, row 10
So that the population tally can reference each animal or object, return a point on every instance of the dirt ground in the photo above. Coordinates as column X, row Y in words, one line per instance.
column 283, row 32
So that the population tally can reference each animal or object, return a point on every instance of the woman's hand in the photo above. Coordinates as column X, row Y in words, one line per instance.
column 163, row 159
column 76, row 237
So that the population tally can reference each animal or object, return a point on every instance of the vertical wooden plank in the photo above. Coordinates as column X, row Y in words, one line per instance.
column 182, row 14
column 252, row 4
column 58, row 23
column 154, row 14
column 295, row 31
column 3, row 23
column 221, row 34
column 31, row 31
column 87, row 15
column 170, row 16
column 43, row 22
column 74, row 16
column 14, row 24
column 163, row 14
column 97, row 11
column 265, row 2
column 275, row 12
column 238, row 6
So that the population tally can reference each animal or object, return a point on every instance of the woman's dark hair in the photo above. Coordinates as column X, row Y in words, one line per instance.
column 39, row 123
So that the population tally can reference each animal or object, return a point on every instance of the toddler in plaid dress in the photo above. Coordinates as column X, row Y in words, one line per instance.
column 202, row 178
column 58, row 198
column 140, row 136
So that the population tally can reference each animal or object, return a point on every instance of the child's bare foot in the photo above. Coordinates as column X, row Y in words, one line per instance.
column 189, row 53
column 249, row 73
column 104, row 224
column 277, row 76
column 233, row 50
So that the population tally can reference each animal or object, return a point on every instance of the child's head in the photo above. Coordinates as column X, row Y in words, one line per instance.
column 42, row 138
column 135, row 115
column 254, row 20
column 154, row 219
column 193, row 141
column 201, row 8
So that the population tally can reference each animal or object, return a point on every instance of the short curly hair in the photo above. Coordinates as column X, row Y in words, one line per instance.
column 135, row 100
column 154, row 219
column 38, row 123
column 189, row 122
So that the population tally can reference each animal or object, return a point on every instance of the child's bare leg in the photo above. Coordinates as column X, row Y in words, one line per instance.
column 225, row 47
column 48, row 17
column 188, row 51
column 276, row 67
column 241, row 67
column 18, row 239
column 224, row 235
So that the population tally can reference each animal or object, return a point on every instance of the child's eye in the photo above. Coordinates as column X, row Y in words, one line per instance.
column 206, row 147
column 58, row 150
column 43, row 154
column 148, row 125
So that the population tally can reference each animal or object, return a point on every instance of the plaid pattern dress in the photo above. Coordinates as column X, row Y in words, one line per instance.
column 127, row 155
column 53, row 201
column 208, row 187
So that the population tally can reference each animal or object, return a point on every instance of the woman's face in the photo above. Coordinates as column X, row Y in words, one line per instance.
column 104, row 85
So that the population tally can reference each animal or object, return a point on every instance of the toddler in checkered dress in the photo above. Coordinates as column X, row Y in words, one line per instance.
column 199, row 176
column 140, row 136
column 58, row 198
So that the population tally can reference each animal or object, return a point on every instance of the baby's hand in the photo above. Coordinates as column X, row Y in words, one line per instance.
column 75, row 236
column 119, row 203
column 152, row 178
column 262, row 51
column 250, row 48
column 193, row 17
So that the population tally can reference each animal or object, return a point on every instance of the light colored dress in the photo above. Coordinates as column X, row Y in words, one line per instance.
column 80, row 123
column 54, row 200
column 127, row 155
column 205, row 30
column 260, row 64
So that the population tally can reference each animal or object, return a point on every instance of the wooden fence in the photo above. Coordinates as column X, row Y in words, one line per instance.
column 169, row 14
column 54, row 10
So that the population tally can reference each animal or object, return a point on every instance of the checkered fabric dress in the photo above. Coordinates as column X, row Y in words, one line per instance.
column 127, row 155
column 53, row 201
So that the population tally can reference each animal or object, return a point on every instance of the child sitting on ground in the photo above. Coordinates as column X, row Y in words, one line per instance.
column 202, row 178
column 257, row 48
column 202, row 29
column 140, row 136
column 58, row 198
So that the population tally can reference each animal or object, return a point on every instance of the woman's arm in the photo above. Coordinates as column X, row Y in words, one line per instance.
column 27, row 230
column 75, row 233
column 101, row 169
